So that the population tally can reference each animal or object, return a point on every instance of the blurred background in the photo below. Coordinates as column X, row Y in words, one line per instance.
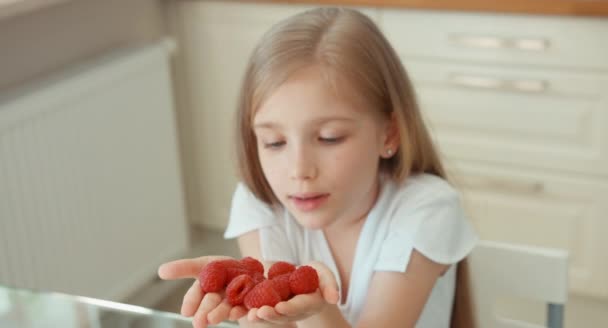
column 116, row 132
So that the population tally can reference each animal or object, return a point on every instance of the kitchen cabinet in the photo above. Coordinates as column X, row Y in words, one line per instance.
column 517, row 104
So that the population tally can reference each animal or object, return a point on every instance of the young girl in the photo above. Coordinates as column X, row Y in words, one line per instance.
column 339, row 172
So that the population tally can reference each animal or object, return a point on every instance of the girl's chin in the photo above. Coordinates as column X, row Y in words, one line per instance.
column 312, row 222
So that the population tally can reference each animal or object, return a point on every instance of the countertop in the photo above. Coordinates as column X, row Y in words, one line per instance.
column 539, row 7
column 592, row 8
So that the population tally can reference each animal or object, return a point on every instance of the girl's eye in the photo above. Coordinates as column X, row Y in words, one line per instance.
column 331, row 140
column 274, row 145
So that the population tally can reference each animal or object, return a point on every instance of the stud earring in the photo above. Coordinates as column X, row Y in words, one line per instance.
column 389, row 152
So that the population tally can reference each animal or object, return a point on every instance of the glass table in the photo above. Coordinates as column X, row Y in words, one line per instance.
column 21, row 308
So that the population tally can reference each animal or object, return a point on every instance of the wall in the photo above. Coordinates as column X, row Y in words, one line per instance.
column 48, row 39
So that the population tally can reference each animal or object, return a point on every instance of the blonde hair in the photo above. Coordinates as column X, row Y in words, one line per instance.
column 348, row 47
column 358, row 62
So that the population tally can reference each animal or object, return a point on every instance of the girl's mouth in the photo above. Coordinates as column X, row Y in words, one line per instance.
column 308, row 203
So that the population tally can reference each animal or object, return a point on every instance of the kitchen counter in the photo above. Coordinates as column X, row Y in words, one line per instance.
column 542, row 7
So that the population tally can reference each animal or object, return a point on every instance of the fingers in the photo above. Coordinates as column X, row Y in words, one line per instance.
column 268, row 313
column 236, row 313
column 192, row 299
column 301, row 304
column 327, row 282
column 210, row 302
column 220, row 313
column 252, row 315
column 299, row 307
column 186, row 268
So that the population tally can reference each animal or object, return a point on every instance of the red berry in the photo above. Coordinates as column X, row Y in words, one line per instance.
column 262, row 294
column 280, row 268
column 238, row 288
column 304, row 280
column 234, row 268
column 258, row 277
column 281, row 285
column 212, row 277
column 252, row 264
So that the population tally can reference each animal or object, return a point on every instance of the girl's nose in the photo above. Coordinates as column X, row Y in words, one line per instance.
column 302, row 164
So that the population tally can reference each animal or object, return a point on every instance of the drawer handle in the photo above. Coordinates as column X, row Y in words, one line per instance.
column 535, row 187
column 493, row 42
column 485, row 82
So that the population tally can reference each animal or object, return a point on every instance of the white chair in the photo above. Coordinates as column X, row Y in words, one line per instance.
column 507, row 270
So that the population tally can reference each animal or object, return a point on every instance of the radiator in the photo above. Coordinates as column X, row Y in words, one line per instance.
column 90, row 191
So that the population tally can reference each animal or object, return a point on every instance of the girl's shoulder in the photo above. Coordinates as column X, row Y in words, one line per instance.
column 248, row 213
column 420, row 190
column 426, row 212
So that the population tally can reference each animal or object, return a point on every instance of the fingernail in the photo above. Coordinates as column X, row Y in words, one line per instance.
column 159, row 271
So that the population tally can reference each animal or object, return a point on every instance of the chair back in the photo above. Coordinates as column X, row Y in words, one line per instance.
column 508, row 270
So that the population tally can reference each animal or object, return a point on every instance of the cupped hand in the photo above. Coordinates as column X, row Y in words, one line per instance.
column 210, row 308
column 301, row 306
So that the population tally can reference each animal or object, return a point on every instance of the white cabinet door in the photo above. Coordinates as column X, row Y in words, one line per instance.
column 548, row 119
column 542, row 209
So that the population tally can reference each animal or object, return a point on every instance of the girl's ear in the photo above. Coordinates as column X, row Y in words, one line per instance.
column 391, row 137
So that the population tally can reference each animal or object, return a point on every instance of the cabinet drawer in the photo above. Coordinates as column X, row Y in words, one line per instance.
column 543, row 210
column 538, row 40
column 531, row 117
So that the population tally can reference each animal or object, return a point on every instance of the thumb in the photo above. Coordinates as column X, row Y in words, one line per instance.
column 327, row 282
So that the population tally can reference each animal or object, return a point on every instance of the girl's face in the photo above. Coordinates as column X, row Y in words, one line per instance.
column 320, row 154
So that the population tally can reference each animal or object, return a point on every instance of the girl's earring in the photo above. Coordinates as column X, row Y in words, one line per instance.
column 389, row 152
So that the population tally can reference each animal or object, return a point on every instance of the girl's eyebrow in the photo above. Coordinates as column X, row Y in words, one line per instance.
column 317, row 121
column 326, row 119
column 265, row 125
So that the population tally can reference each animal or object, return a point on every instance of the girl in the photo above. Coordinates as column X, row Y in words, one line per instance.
column 339, row 172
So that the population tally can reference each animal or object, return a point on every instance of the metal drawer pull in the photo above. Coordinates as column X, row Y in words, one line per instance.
column 493, row 42
column 484, row 82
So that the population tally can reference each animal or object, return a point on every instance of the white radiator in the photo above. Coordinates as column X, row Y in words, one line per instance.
column 90, row 192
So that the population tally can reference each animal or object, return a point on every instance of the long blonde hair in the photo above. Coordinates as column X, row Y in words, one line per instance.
column 358, row 62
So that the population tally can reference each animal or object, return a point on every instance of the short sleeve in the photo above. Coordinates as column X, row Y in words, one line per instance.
column 274, row 244
column 436, row 226
column 247, row 213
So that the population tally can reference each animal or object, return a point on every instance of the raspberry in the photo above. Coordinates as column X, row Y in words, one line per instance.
column 252, row 264
column 280, row 268
column 304, row 280
column 281, row 285
column 262, row 294
column 212, row 277
column 238, row 288
column 258, row 277
column 234, row 268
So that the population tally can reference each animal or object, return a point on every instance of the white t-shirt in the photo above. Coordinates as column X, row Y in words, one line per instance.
column 424, row 214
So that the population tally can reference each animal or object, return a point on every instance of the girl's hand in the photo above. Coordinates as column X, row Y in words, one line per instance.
column 207, row 309
column 301, row 306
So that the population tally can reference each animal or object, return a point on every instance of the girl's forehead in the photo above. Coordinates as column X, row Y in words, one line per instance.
column 309, row 94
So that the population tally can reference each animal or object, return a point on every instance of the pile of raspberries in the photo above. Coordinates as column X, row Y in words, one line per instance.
column 246, row 285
